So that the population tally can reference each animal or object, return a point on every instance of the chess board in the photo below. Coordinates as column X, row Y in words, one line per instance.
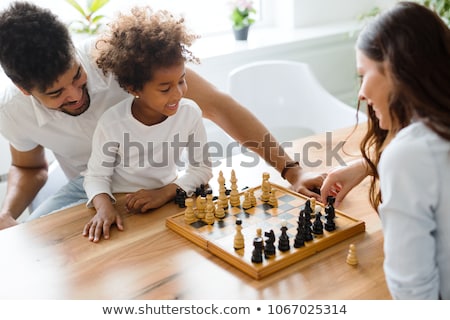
column 218, row 238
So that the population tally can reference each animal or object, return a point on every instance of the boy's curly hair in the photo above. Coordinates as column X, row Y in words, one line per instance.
column 139, row 43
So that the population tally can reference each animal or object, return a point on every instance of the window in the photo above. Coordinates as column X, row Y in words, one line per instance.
column 205, row 17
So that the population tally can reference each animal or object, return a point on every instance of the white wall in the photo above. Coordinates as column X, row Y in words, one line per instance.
column 307, row 13
column 330, row 53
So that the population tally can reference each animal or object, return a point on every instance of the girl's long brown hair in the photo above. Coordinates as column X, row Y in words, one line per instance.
column 412, row 46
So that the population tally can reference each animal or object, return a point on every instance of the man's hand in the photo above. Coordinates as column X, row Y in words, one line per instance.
column 306, row 183
column 6, row 221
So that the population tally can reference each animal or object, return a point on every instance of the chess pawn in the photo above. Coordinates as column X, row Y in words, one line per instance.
column 265, row 187
column 235, row 200
column 317, row 227
column 189, row 214
column 247, row 204
column 273, row 201
column 209, row 215
column 259, row 235
column 239, row 242
column 351, row 256
column 252, row 197
column 283, row 240
column 201, row 207
column 313, row 204
column 220, row 212
column 299, row 238
column 209, row 201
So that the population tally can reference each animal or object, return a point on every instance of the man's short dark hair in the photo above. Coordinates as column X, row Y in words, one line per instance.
column 35, row 46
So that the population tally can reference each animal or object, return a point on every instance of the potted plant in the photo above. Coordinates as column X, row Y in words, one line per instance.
column 91, row 21
column 242, row 12
column 441, row 7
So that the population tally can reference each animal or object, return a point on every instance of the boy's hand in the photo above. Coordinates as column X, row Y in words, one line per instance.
column 105, row 217
column 144, row 200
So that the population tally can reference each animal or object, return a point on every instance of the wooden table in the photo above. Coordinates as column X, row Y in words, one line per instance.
column 49, row 258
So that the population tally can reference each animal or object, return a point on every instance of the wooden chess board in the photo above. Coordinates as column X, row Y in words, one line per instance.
column 219, row 237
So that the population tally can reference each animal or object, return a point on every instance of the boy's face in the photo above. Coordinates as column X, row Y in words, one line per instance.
column 162, row 94
column 68, row 94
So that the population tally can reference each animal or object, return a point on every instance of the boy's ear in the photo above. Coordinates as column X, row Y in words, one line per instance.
column 133, row 92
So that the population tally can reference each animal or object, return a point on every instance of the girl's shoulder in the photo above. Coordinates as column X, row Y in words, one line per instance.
column 413, row 145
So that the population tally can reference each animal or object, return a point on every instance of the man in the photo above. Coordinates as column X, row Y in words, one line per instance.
column 56, row 96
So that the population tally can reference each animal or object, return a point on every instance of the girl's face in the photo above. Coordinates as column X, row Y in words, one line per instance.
column 375, row 88
column 160, row 97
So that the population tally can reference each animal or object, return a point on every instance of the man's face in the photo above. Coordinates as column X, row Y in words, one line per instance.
column 68, row 94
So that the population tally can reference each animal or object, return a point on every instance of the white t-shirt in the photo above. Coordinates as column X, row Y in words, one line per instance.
column 415, row 186
column 128, row 156
column 26, row 123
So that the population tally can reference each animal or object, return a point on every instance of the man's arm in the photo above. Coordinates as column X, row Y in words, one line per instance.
column 235, row 120
column 27, row 175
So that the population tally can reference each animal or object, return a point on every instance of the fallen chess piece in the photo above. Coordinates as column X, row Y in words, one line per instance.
column 352, row 259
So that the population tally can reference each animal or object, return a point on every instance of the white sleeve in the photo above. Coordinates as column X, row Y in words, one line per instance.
column 409, row 188
column 198, row 170
column 14, row 131
column 97, row 178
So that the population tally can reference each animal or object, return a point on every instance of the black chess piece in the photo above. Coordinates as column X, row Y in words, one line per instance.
column 307, row 211
column 227, row 191
column 299, row 237
column 330, row 214
column 306, row 231
column 257, row 254
column 203, row 190
column 317, row 227
column 180, row 198
column 269, row 249
column 283, row 240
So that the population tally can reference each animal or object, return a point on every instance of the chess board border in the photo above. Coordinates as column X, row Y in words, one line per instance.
column 282, row 260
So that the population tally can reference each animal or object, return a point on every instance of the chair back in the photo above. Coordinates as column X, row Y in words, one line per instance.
column 288, row 99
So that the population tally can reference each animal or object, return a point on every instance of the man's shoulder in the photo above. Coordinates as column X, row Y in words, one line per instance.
column 190, row 106
column 117, row 112
column 11, row 97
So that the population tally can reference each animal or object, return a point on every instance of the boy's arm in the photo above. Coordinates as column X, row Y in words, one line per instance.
column 245, row 128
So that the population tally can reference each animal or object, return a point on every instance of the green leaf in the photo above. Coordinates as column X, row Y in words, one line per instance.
column 75, row 4
column 96, row 5
column 96, row 19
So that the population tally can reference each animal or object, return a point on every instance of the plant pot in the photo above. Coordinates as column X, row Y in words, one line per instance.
column 241, row 34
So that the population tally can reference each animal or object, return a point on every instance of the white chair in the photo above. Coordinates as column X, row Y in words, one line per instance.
column 288, row 99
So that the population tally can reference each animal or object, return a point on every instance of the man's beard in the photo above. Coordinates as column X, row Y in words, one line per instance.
column 80, row 110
